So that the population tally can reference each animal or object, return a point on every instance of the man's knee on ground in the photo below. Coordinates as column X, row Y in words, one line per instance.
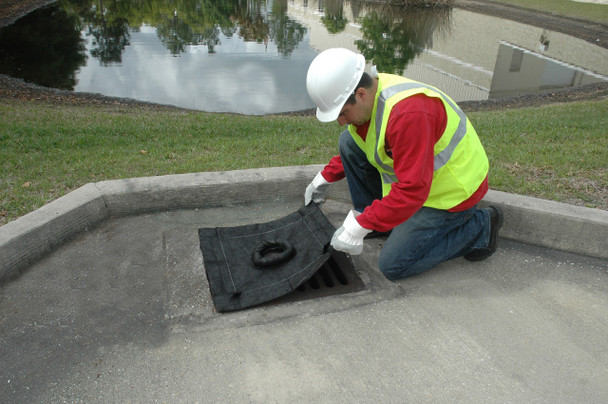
column 391, row 270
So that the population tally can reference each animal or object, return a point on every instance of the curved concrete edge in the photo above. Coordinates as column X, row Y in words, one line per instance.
column 551, row 224
column 30, row 237
column 23, row 241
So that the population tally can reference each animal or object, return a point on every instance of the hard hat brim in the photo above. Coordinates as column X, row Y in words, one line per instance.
column 329, row 116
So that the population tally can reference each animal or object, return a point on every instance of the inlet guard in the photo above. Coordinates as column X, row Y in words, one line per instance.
column 236, row 282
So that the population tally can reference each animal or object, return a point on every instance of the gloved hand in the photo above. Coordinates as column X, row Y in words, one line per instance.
column 349, row 237
column 316, row 190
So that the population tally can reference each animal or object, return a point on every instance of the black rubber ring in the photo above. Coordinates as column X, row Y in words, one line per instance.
column 261, row 257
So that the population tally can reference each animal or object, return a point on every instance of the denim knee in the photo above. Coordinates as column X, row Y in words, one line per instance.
column 391, row 270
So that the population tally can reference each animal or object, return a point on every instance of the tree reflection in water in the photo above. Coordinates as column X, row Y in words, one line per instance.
column 334, row 19
column 393, row 36
column 46, row 47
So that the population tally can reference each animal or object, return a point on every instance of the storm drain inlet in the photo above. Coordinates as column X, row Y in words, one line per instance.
column 254, row 264
column 337, row 276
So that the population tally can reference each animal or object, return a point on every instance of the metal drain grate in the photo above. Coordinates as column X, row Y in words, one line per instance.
column 338, row 276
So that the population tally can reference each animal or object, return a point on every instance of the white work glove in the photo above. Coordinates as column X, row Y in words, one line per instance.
column 316, row 190
column 349, row 237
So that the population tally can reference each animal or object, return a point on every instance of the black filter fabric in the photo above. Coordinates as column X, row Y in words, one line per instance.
column 236, row 282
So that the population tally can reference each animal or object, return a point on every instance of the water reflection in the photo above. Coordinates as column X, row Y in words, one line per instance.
column 284, row 32
column 253, row 45
column 334, row 19
column 393, row 36
column 251, row 56
column 43, row 47
column 183, row 23
column 108, row 27
column 520, row 69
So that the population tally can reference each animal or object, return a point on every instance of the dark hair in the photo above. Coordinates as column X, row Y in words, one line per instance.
column 365, row 82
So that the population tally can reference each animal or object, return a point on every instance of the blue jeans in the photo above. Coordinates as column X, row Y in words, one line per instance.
column 429, row 237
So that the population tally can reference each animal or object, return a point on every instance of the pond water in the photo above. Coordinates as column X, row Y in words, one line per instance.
column 251, row 56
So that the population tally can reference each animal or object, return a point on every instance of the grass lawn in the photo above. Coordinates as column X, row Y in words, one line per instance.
column 556, row 152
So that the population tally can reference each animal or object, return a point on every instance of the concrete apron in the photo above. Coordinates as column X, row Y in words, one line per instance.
column 24, row 241
column 123, row 311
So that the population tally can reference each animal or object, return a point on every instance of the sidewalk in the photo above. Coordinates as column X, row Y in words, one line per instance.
column 122, row 312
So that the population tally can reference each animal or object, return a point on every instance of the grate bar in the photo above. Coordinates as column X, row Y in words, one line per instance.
column 337, row 276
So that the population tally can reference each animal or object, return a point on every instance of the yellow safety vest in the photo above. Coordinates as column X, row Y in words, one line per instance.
column 460, row 163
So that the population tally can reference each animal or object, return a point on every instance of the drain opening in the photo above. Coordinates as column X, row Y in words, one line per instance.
column 337, row 276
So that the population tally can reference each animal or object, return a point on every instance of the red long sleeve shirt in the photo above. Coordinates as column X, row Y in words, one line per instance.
column 414, row 126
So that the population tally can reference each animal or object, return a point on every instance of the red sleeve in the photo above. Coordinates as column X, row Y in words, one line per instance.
column 333, row 171
column 414, row 126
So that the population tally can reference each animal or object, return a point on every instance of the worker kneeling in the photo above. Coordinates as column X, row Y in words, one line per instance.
column 414, row 164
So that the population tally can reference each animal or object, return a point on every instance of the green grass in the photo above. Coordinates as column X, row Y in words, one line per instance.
column 584, row 11
column 555, row 152
column 46, row 151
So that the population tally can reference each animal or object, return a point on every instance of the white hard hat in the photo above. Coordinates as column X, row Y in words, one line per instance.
column 332, row 77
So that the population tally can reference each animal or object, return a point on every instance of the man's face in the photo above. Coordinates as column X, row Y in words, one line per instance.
column 356, row 114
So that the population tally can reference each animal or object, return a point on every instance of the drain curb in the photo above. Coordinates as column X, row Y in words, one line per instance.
column 556, row 225
column 27, row 239
column 34, row 235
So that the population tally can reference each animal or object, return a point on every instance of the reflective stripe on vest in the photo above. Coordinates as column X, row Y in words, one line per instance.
column 443, row 156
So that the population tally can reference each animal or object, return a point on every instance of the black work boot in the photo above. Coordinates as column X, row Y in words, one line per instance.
column 496, row 221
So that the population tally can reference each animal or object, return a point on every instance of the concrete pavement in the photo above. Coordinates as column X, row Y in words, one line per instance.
column 103, row 298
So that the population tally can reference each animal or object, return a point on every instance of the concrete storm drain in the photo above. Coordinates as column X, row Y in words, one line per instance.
column 284, row 260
